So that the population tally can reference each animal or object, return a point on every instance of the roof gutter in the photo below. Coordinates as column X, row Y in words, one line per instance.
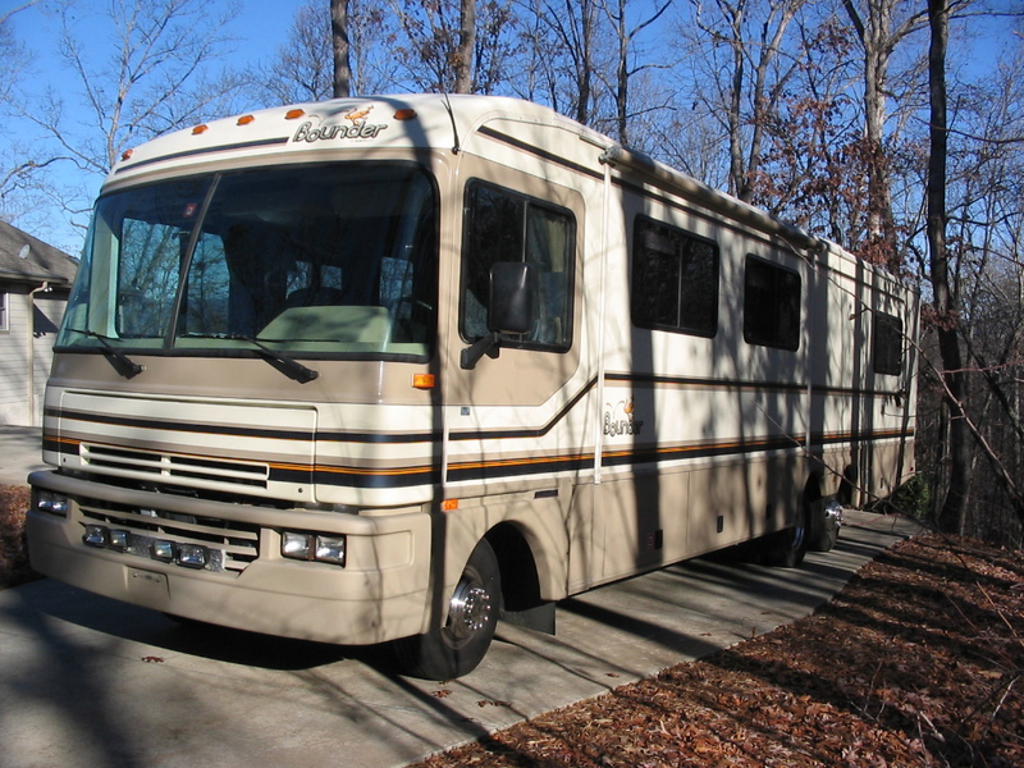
column 25, row 277
column 673, row 180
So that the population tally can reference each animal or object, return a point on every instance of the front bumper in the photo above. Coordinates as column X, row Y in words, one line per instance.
column 379, row 594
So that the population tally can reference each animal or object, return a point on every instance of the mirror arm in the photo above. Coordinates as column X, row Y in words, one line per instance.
column 485, row 345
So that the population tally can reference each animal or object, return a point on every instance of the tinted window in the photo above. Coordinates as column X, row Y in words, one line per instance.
column 887, row 344
column 771, row 305
column 502, row 225
column 675, row 279
column 327, row 260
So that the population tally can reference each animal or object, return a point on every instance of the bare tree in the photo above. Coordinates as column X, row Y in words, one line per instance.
column 340, row 45
column 456, row 45
column 19, row 166
column 151, row 82
column 462, row 60
column 754, row 34
column 560, row 55
column 627, row 65
column 303, row 69
column 944, row 298
column 879, row 29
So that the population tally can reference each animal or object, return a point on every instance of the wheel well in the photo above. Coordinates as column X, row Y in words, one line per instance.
column 812, row 491
column 845, row 493
column 520, row 585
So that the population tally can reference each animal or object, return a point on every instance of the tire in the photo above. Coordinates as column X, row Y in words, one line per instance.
column 825, row 520
column 455, row 649
column 787, row 548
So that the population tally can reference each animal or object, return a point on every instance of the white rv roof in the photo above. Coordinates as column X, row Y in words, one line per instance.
column 404, row 121
column 418, row 121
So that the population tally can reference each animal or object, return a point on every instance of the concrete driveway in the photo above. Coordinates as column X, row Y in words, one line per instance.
column 86, row 681
column 20, row 453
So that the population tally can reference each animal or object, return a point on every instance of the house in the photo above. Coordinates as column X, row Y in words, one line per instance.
column 35, row 280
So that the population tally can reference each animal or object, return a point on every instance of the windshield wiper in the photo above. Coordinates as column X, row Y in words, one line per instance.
column 123, row 364
column 283, row 362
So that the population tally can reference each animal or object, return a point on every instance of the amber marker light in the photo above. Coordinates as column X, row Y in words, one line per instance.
column 200, row 129
column 246, row 119
column 127, row 154
column 424, row 380
column 294, row 114
column 405, row 114
column 450, row 505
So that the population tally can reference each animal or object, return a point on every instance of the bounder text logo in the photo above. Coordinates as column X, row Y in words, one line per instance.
column 619, row 419
column 357, row 128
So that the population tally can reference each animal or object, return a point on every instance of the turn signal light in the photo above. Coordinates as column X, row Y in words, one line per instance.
column 424, row 380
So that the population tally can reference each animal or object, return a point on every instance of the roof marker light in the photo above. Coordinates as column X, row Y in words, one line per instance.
column 405, row 114
column 202, row 128
column 294, row 114
column 245, row 119
column 127, row 154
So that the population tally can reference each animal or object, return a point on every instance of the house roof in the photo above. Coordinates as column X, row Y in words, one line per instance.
column 36, row 263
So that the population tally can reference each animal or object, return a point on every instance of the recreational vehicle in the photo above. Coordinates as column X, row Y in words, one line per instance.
column 383, row 370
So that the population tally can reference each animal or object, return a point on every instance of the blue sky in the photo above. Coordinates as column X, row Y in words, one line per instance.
column 258, row 30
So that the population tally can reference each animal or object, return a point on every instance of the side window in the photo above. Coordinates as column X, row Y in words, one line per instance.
column 771, row 305
column 887, row 344
column 502, row 225
column 675, row 280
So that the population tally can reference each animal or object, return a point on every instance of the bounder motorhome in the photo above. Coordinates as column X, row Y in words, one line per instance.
column 385, row 369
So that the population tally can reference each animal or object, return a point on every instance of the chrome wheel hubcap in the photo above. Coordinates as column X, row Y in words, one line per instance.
column 469, row 610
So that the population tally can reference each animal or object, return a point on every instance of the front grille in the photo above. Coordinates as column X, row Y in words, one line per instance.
column 230, row 545
column 170, row 466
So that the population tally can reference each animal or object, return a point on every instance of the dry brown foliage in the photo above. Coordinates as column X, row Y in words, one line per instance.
column 14, row 568
column 918, row 662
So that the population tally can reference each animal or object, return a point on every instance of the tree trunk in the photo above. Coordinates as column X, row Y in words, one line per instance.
column 622, row 76
column 952, row 512
column 585, row 65
column 466, row 47
column 877, row 37
column 737, row 172
column 339, row 38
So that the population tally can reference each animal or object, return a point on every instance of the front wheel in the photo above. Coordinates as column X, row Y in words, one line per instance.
column 788, row 547
column 456, row 647
column 826, row 519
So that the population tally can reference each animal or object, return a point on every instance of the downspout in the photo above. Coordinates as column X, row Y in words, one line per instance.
column 599, row 427
column 31, row 352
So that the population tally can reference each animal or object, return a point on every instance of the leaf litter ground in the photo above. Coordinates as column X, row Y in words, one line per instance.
column 918, row 662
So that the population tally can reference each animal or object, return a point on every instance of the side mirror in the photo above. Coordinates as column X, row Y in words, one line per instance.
column 510, row 310
column 512, row 294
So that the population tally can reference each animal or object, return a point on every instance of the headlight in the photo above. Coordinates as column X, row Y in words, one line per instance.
column 330, row 549
column 321, row 547
column 48, row 501
column 296, row 545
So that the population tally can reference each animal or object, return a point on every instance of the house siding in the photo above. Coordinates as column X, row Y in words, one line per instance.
column 30, row 333
column 14, row 357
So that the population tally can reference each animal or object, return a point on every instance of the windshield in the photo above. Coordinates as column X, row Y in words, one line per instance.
column 314, row 261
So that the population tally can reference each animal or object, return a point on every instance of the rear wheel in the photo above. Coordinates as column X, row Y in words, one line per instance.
column 455, row 648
